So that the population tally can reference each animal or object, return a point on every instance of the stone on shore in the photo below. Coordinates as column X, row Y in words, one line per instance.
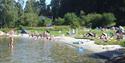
column 2, row 33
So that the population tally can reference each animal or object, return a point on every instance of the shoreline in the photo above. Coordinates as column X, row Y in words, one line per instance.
column 89, row 45
column 85, row 43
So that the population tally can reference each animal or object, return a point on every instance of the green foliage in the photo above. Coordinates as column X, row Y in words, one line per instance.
column 61, row 7
column 59, row 21
column 109, row 19
column 96, row 20
column 82, row 18
column 5, row 30
column 72, row 20
column 29, row 19
column 8, row 13
column 42, row 7
column 92, row 19
column 55, row 30
column 122, row 43
column 12, row 14
column 60, row 28
column 45, row 22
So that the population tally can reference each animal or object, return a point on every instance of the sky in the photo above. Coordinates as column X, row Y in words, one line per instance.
column 47, row 2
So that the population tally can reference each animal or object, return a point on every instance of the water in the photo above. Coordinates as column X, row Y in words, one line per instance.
column 39, row 51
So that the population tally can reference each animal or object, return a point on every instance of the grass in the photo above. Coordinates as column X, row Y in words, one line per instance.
column 5, row 29
column 59, row 30
column 55, row 30
column 98, row 32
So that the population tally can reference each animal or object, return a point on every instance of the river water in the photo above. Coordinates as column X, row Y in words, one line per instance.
column 27, row 50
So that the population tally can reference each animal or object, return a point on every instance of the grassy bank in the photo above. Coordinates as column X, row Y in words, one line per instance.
column 63, row 30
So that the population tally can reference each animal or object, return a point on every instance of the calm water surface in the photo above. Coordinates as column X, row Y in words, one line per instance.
column 27, row 50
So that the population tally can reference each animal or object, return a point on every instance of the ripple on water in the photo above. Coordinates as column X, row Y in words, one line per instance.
column 38, row 51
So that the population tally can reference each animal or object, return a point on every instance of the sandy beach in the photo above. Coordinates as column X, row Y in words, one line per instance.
column 88, row 44
column 85, row 43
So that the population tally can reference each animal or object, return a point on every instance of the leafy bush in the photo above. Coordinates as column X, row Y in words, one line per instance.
column 122, row 43
column 72, row 20
column 5, row 30
column 29, row 19
column 59, row 21
column 96, row 20
column 45, row 22
column 92, row 19
column 108, row 19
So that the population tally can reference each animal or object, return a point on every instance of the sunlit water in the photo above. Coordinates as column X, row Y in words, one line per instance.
column 39, row 51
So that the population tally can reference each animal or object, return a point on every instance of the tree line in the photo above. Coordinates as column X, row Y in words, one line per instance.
column 12, row 13
column 116, row 7
column 76, row 13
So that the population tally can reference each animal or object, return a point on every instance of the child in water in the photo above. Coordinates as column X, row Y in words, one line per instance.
column 11, row 41
column 11, row 38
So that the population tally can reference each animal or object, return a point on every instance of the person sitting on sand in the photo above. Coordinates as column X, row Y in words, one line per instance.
column 104, row 37
column 49, row 36
column 41, row 35
column 45, row 35
column 119, row 34
column 31, row 34
column 37, row 35
column 90, row 34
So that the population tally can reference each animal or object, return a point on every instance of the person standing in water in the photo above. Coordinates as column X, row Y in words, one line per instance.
column 11, row 41
column 11, row 38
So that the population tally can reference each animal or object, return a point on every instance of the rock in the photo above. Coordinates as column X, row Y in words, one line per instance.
column 1, row 33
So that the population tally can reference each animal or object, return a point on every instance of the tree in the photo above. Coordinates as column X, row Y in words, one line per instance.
column 108, row 19
column 59, row 21
column 30, row 16
column 93, row 20
column 82, row 18
column 2, row 13
column 97, row 20
column 45, row 22
column 30, row 19
column 9, row 13
column 48, row 21
column 72, row 20
column 20, row 13
column 117, row 7
column 56, row 4
column 42, row 7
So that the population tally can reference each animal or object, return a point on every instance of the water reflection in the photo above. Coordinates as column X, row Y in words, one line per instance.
column 27, row 50
column 65, row 54
column 80, row 50
column 11, row 41
column 5, row 52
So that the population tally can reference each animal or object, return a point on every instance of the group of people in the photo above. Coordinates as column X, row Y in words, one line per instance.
column 44, row 35
column 118, row 35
